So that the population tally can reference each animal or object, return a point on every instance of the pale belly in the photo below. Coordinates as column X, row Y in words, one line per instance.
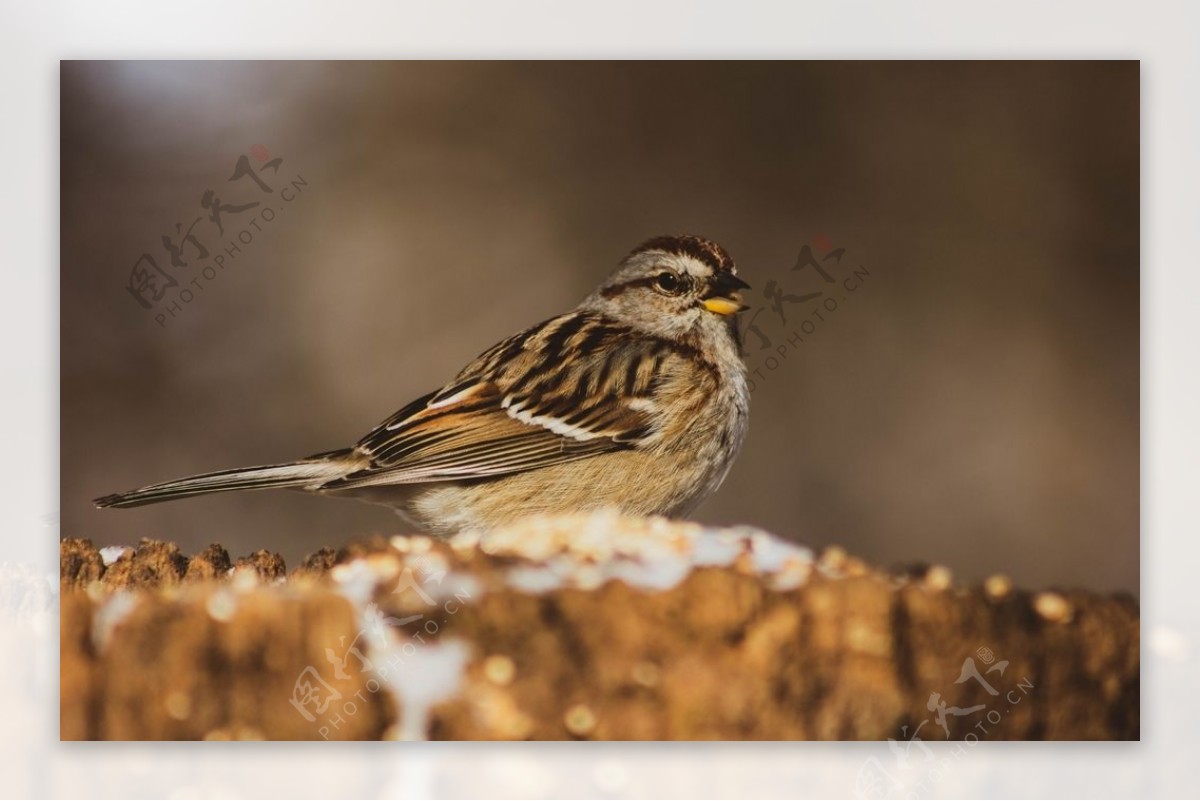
column 631, row 482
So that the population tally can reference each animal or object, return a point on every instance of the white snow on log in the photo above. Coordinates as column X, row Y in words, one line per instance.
column 421, row 676
column 584, row 551
column 109, row 614
column 112, row 553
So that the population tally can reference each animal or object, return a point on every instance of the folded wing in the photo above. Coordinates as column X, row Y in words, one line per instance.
column 523, row 405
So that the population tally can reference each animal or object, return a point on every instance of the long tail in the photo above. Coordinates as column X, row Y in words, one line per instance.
column 311, row 472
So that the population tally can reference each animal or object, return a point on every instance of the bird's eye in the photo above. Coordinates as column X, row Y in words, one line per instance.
column 669, row 282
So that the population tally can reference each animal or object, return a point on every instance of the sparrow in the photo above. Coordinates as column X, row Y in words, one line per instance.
column 636, row 400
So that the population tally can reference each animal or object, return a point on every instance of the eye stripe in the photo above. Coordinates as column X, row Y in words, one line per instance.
column 617, row 289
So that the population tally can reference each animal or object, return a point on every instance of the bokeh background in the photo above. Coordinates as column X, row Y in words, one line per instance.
column 974, row 402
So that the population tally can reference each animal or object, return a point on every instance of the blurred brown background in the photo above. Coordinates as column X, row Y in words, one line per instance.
column 974, row 402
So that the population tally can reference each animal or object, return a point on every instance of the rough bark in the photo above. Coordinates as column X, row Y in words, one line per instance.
column 533, row 637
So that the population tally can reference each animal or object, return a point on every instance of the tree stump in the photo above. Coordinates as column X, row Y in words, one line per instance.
column 594, row 627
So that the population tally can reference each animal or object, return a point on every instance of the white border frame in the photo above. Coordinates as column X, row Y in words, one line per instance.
column 35, row 35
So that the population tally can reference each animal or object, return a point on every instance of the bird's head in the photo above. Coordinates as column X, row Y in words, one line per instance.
column 677, row 287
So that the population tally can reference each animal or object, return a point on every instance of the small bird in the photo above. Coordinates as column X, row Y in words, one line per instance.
column 635, row 400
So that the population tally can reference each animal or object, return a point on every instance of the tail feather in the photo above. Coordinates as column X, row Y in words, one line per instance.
column 310, row 472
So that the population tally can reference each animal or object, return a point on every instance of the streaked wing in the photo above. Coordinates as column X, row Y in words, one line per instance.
column 523, row 405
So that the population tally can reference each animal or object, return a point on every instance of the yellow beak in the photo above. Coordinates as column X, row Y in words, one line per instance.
column 721, row 305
